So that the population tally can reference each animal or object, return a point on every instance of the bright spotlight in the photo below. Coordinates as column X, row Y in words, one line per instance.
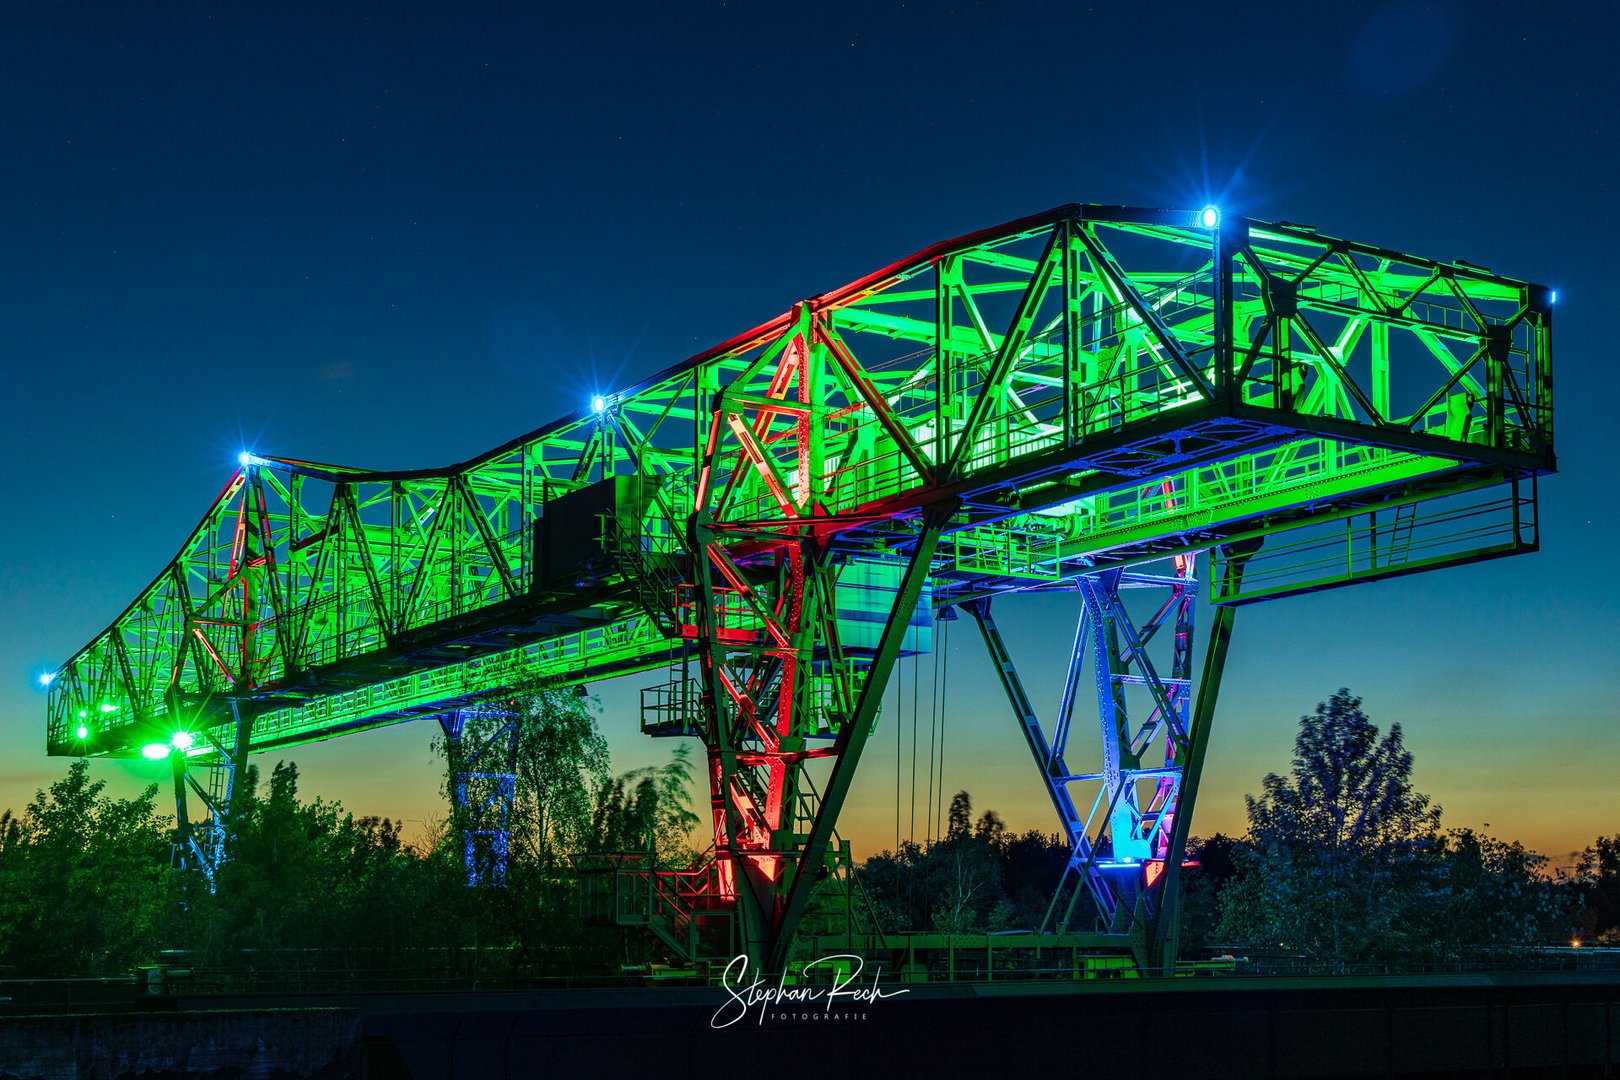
column 1553, row 299
column 46, row 677
column 181, row 740
column 84, row 732
column 154, row 750
column 244, row 459
column 1210, row 218
column 598, row 403
column 108, row 708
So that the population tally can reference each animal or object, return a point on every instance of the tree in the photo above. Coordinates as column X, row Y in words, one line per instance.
column 84, row 881
column 1597, row 880
column 1032, row 863
column 561, row 757
column 969, row 883
column 990, row 828
column 312, row 887
column 560, row 762
column 959, row 818
column 310, row 890
column 1340, row 847
column 1345, row 861
column 648, row 809
column 1214, row 866
column 1494, row 896
column 953, row 886
column 961, row 883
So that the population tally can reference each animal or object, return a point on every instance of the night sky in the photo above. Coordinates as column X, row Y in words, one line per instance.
column 399, row 237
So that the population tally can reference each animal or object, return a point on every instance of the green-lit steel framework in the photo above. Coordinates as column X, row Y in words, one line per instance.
column 1054, row 403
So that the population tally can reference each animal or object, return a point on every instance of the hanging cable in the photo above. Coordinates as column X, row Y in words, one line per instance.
column 944, row 711
column 896, row 765
column 913, row 829
column 933, row 720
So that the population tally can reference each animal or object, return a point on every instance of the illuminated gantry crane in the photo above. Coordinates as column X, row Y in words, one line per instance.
column 1116, row 402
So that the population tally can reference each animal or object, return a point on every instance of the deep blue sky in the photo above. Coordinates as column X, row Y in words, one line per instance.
column 398, row 237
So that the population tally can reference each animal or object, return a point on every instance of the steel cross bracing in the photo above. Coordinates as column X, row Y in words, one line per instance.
column 1060, row 396
column 1135, row 826
column 211, row 776
column 482, row 783
column 1137, row 822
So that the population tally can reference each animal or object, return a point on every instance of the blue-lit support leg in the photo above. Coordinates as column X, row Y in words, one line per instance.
column 1139, row 784
column 204, row 845
column 1048, row 757
column 1118, row 846
column 1164, row 938
column 483, row 786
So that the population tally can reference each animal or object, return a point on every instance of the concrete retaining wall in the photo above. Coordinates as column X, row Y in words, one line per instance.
column 259, row 1044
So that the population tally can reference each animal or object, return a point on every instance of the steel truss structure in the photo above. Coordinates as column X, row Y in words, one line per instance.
column 1135, row 830
column 482, row 785
column 1052, row 403
column 210, row 774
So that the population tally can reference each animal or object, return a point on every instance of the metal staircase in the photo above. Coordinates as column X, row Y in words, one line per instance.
column 685, row 909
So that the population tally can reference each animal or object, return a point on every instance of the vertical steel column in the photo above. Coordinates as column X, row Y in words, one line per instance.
column 205, row 844
column 181, row 855
column 1112, row 861
column 758, row 714
column 452, row 724
column 852, row 736
column 1164, row 938
column 482, row 797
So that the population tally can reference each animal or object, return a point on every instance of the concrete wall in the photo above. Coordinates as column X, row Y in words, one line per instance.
column 1242, row 1029
column 260, row 1044
column 1226, row 1029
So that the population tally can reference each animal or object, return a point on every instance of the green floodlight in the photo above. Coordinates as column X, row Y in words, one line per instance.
column 84, row 732
column 181, row 740
column 106, row 708
column 155, row 750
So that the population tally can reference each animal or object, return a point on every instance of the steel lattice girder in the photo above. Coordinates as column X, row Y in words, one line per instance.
column 1079, row 390
column 1058, row 375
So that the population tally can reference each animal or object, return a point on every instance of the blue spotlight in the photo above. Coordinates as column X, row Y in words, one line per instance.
column 598, row 404
column 1210, row 218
